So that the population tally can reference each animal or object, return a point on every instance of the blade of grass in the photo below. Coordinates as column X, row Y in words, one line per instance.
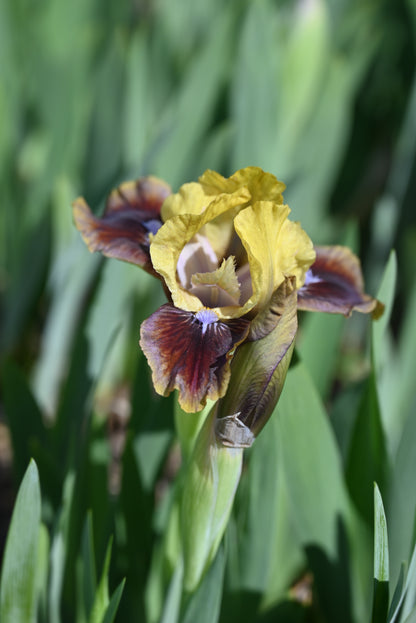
column 381, row 561
column 321, row 513
column 89, row 576
column 111, row 611
column 19, row 581
column 410, row 581
column 101, row 597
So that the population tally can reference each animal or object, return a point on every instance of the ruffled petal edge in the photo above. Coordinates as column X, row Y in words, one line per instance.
column 132, row 212
column 190, row 352
column 334, row 284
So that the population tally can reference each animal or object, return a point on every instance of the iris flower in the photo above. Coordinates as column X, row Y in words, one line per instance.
column 235, row 270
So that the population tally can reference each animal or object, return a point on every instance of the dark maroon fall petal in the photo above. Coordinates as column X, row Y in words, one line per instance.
column 190, row 352
column 334, row 284
column 132, row 212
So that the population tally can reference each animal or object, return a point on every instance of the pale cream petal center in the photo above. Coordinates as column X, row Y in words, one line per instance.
column 197, row 256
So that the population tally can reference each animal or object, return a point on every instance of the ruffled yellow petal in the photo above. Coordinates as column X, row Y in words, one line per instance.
column 295, row 252
column 169, row 241
column 191, row 199
column 261, row 185
column 276, row 248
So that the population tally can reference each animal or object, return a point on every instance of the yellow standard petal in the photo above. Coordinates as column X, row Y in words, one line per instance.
column 262, row 186
column 167, row 244
column 190, row 199
column 194, row 198
column 276, row 248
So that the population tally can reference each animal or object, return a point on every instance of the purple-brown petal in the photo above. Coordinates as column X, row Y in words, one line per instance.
column 132, row 212
column 190, row 352
column 334, row 284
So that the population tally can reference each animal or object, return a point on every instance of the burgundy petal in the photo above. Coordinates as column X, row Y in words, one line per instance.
column 190, row 352
column 334, row 283
column 132, row 211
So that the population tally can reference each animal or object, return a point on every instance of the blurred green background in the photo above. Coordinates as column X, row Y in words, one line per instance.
column 322, row 93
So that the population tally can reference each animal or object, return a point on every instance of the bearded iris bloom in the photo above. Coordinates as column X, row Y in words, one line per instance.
column 235, row 270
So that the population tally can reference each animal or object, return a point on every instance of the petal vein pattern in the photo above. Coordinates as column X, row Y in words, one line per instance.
column 190, row 352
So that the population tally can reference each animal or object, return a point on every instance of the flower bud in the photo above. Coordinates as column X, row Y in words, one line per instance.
column 209, row 488
column 259, row 370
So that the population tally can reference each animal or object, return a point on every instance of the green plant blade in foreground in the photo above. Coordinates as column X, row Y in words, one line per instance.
column 403, row 598
column 381, row 561
column 204, row 605
column 111, row 611
column 325, row 525
column 19, row 576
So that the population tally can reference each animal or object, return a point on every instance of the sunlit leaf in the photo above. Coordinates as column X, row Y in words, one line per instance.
column 320, row 510
column 112, row 608
column 101, row 597
column 381, row 561
column 19, row 579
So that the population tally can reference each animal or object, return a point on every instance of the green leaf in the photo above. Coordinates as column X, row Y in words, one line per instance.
column 381, row 561
column 319, row 507
column 305, row 57
column 32, row 273
column 254, row 116
column 404, row 392
column 89, row 577
column 106, row 122
column 312, row 348
column 404, row 605
column 410, row 588
column 136, row 541
column 398, row 591
column 19, row 581
column 71, row 413
column 138, row 114
column 43, row 571
column 204, row 605
column 411, row 618
column 73, row 277
column 367, row 458
column 111, row 611
column 185, row 123
column 265, row 534
column 382, row 357
column 101, row 598
column 401, row 501
column 207, row 495
column 152, row 424
column 60, row 549
column 284, row 545
column 172, row 605
column 381, row 548
column 310, row 461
